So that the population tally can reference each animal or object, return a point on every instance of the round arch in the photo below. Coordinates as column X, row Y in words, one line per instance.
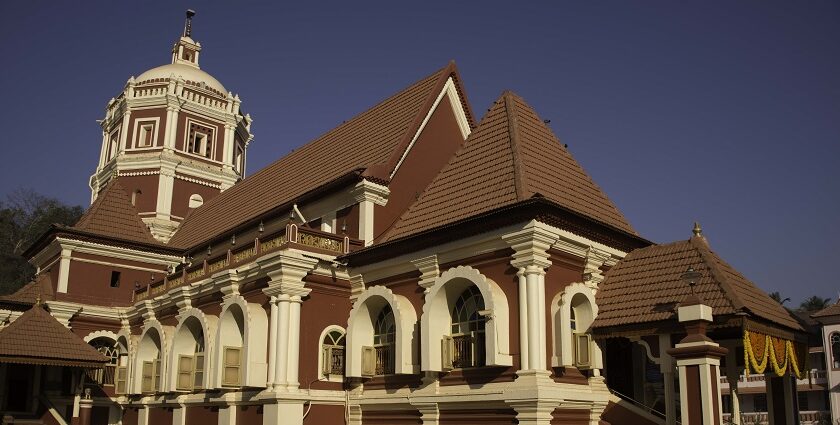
column 151, row 347
column 360, row 330
column 245, row 325
column 575, row 297
column 327, row 330
column 100, row 334
column 192, row 324
column 440, row 299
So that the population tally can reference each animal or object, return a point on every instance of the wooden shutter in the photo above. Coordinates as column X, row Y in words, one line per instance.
column 447, row 353
column 121, row 378
column 368, row 361
column 326, row 360
column 198, row 371
column 232, row 367
column 582, row 351
column 185, row 373
column 148, row 377
column 157, row 370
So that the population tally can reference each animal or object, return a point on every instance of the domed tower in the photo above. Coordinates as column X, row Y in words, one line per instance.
column 175, row 137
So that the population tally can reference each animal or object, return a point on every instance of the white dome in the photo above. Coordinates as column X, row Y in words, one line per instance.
column 187, row 72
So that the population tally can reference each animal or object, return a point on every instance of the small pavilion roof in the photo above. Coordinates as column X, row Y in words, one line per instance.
column 38, row 338
column 112, row 215
column 647, row 286
column 40, row 288
column 832, row 310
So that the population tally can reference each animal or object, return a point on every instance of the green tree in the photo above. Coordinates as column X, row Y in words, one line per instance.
column 25, row 216
column 814, row 303
column 776, row 296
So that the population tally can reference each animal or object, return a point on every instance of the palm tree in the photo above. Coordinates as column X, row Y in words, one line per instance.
column 814, row 303
column 776, row 296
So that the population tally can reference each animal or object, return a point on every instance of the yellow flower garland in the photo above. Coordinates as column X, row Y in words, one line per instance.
column 780, row 353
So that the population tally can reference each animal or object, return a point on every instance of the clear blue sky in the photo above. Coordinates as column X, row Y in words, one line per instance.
column 726, row 112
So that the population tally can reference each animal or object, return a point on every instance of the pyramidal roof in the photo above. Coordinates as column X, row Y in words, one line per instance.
column 112, row 215
column 372, row 141
column 38, row 338
column 40, row 288
column 511, row 156
column 646, row 286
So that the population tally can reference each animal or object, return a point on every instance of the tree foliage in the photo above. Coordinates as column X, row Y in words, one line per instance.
column 25, row 216
column 814, row 303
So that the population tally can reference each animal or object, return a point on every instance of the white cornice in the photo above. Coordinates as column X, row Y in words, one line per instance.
column 367, row 190
column 118, row 252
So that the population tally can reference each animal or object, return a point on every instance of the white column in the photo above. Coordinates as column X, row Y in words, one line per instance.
column 124, row 136
column 536, row 359
column 272, row 343
column 168, row 139
column 103, row 151
column 281, row 364
column 227, row 149
column 366, row 221
column 227, row 415
column 166, row 184
column 294, row 342
column 64, row 270
column 179, row 415
column 143, row 415
column 542, row 325
column 523, row 320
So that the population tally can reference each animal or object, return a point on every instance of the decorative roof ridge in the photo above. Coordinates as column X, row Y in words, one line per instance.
column 520, row 185
column 701, row 245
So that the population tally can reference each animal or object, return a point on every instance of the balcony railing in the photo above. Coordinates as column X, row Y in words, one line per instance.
column 104, row 376
column 299, row 237
column 814, row 417
column 812, row 377
column 384, row 360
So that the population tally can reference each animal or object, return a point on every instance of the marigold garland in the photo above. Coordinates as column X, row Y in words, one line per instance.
column 760, row 349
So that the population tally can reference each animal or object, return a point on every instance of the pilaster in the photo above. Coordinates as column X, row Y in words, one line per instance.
column 367, row 194
column 64, row 270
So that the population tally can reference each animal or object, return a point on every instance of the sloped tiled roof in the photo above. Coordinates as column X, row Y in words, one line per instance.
column 37, row 338
column 112, row 215
column 832, row 310
column 511, row 156
column 40, row 288
column 646, row 287
column 373, row 140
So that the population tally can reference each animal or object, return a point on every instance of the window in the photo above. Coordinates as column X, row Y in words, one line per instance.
column 200, row 140
column 191, row 368
column 232, row 364
column 384, row 336
column 115, row 279
column 113, row 145
column 332, row 353
column 196, row 200
column 239, row 159
column 835, row 350
column 150, row 380
column 145, row 135
column 466, row 346
column 109, row 349
column 580, row 318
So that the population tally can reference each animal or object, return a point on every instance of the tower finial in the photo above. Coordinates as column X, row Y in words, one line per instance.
column 697, row 231
column 188, row 23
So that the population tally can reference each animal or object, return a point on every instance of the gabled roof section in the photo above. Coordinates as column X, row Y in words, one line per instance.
column 646, row 287
column 38, row 338
column 372, row 141
column 510, row 157
column 39, row 289
column 832, row 310
column 112, row 215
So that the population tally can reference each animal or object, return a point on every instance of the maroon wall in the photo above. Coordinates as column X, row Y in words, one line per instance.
column 324, row 414
column 201, row 415
column 483, row 417
column 90, row 283
column 249, row 414
column 391, row 417
column 440, row 138
column 327, row 304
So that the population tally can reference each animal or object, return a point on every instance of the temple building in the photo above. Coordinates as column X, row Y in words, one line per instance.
column 417, row 264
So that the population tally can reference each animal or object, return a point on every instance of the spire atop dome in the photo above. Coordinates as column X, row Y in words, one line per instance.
column 186, row 50
column 188, row 23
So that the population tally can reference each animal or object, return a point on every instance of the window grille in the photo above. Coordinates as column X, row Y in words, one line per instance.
column 384, row 338
column 332, row 353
